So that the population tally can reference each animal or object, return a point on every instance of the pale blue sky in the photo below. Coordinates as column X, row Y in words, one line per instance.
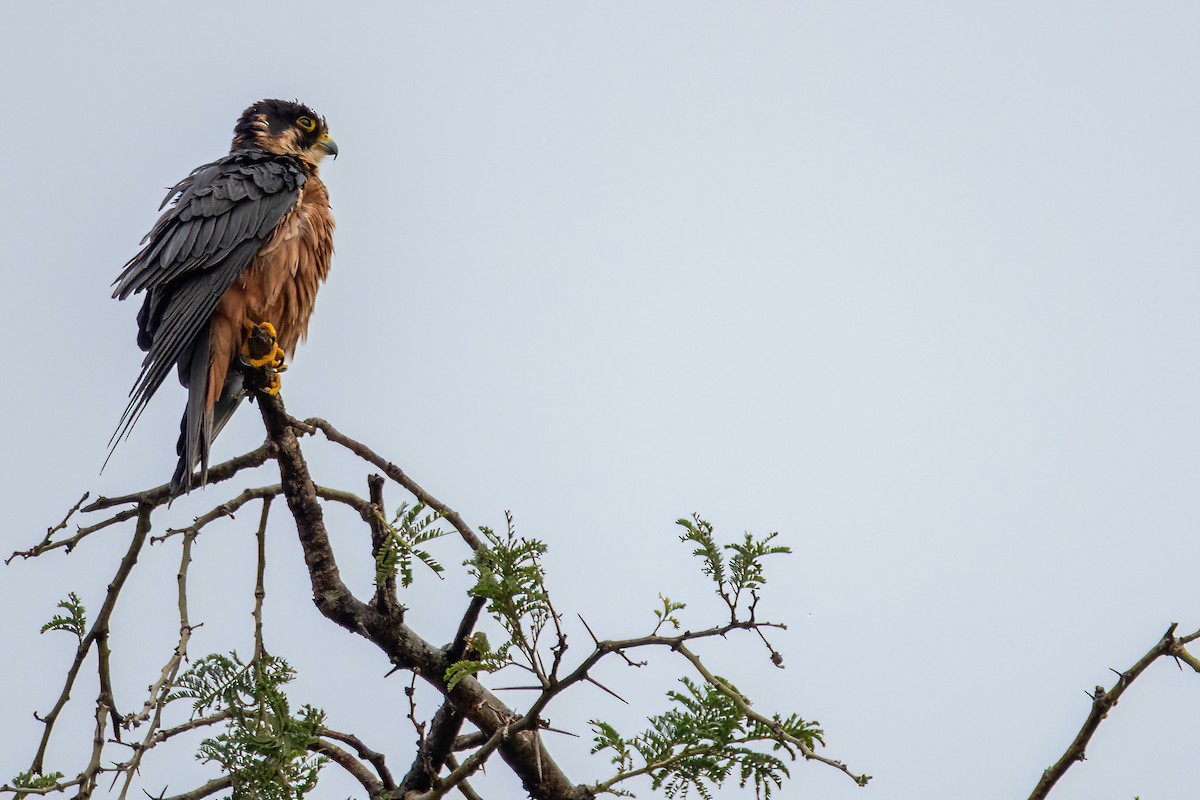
column 913, row 284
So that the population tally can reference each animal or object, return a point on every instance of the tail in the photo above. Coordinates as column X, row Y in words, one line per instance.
column 200, row 425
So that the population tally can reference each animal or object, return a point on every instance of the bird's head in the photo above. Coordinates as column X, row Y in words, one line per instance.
column 284, row 128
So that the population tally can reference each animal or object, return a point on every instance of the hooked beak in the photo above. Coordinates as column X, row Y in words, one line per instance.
column 329, row 145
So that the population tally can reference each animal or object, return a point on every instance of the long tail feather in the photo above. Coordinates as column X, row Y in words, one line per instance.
column 204, row 428
column 200, row 426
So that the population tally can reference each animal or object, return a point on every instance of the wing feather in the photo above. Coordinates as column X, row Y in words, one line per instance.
column 222, row 214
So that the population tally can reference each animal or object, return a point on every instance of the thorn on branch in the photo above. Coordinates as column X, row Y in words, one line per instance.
column 597, row 683
column 1103, row 702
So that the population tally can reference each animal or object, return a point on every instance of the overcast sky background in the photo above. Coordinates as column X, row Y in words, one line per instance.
column 913, row 284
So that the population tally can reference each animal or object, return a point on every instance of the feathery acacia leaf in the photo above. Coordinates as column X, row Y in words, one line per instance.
column 74, row 621
column 699, row 744
column 264, row 748
column 401, row 544
column 509, row 575
column 743, row 571
column 33, row 780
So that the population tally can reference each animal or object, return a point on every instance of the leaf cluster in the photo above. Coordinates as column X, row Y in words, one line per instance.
column 216, row 681
column 32, row 780
column 700, row 744
column 74, row 621
column 508, row 574
column 735, row 575
column 402, row 538
column 265, row 747
column 666, row 614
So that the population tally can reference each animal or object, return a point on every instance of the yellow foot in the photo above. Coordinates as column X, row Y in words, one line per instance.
column 274, row 382
column 261, row 352
column 260, row 349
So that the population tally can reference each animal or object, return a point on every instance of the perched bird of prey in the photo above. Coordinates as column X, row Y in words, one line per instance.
column 233, row 264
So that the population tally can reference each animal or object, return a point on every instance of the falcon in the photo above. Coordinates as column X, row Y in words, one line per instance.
column 230, row 274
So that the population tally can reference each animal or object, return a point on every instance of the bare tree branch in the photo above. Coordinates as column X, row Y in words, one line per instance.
column 540, row 776
column 352, row 765
column 433, row 749
column 385, row 597
column 99, row 628
column 770, row 724
column 1103, row 701
column 468, row 741
column 260, row 572
column 464, row 786
column 399, row 476
column 162, row 494
column 514, row 735
column 91, row 773
column 46, row 543
column 212, row 787
column 367, row 754
column 160, row 690
column 190, row 725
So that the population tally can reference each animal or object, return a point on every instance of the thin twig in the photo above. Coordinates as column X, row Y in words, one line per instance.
column 160, row 691
column 162, row 494
column 103, row 667
column 99, row 628
column 467, row 768
column 226, row 509
column 260, row 590
column 46, row 543
column 433, row 748
column 399, row 476
column 190, row 725
column 772, row 725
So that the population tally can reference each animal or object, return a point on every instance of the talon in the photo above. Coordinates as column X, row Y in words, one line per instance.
column 273, row 359
column 262, row 352
column 274, row 384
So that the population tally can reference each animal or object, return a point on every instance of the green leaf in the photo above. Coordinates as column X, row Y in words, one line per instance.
column 32, row 780
column 509, row 575
column 702, row 743
column 666, row 614
column 742, row 571
column 264, row 748
column 745, row 566
column 402, row 536
column 481, row 660
column 74, row 621
column 700, row 533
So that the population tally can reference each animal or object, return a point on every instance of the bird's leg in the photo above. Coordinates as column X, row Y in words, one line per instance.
column 261, row 352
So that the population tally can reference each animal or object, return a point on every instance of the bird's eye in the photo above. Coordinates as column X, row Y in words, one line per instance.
column 307, row 124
